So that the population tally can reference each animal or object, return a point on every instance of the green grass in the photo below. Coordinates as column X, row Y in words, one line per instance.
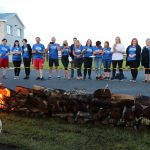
column 50, row 134
column 46, row 65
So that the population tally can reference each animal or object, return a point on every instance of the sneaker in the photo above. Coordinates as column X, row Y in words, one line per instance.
column 84, row 78
column 134, row 81
column 38, row 78
column 15, row 77
column 97, row 78
column 26, row 78
column 58, row 77
column 112, row 79
column 131, row 80
column 4, row 77
column 90, row 78
column 50, row 77
column 42, row 78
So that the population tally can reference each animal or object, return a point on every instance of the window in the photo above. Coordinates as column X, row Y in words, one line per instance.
column 19, row 32
column 9, row 29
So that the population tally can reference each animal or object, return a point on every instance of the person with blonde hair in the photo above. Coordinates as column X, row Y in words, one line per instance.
column 65, row 50
column 117, row 58
column 78, row 57
column 146, row 60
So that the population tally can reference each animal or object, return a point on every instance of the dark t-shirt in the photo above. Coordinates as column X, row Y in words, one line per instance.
column 71, row 54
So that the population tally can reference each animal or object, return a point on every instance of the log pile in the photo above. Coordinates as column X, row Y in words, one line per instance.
column 79, row 106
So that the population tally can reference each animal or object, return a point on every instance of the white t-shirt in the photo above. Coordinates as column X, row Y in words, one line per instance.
column 119, row 51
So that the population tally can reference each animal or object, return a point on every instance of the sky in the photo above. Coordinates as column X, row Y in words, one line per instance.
column 95, row 19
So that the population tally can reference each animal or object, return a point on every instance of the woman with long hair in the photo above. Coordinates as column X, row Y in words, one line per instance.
column 107, row 58
column 133, row 58
column 65, row 50
column 88, row 52
column 146, row 60
column 16, row 57
column 27, row 55
column 117, row 58
column 78, row 57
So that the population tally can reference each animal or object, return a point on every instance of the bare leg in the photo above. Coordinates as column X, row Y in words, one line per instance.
column 41, row 73
column 57, row 71
column 51, row 71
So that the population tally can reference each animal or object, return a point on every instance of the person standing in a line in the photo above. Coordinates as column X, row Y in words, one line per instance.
column 117, row 58
column 53, row 49
column 65, row 50
column 72, row 57
column 27, row 55
column 107, row 58
column 4, row 60
column 98, row 53
column 38, row 51
column 88, row 52
column 146, row 60
column 133, row 58
column 16, row 57
column 78, row 57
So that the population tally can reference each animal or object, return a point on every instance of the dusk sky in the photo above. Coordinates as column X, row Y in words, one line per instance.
column 84, row 19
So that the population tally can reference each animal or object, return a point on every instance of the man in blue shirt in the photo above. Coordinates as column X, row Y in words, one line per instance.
column 4, row 61
column 38, row 51
column 53, row 49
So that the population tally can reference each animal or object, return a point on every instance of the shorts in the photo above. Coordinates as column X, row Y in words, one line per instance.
column 107, row 65
column 53, row 62
column 65, row 62
column 147, row 68
column 4, row 63
column 38, row 63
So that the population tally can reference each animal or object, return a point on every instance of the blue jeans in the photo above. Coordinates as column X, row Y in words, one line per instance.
column 98, row 66
column 107, row 65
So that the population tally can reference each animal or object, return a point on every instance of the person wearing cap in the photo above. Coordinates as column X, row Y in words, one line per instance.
column 146, row 60
column 4, row 60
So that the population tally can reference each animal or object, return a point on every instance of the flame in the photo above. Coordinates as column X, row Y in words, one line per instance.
column 4, row 92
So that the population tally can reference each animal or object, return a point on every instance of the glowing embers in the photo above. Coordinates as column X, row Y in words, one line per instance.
column 4, row 93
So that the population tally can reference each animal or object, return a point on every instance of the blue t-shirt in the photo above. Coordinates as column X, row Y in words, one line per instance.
column 96, row 49
column 4, row 50
column 39, row 49
column 25, row 52
column 53, row 51
column 65, row 51
column 107, row 54
column 16, row 57
column 88, row 51
column 78, row 51
column 132, row 51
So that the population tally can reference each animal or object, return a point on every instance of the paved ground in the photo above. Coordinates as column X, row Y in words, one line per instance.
column 125, row 87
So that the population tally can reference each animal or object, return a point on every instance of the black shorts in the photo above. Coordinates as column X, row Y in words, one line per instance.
column 65, row 62
column 53, row 62
column 147, row 68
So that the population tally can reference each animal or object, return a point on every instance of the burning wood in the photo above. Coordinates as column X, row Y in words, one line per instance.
column 77, row 105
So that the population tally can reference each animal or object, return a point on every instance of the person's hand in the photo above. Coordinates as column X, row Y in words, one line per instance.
column 78, row 56
column 0, row 55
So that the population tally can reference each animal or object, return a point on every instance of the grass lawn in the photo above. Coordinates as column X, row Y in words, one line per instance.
column 46, row 65
column 50, row 134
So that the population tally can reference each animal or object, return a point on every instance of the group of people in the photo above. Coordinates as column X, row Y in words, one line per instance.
column 76, row 55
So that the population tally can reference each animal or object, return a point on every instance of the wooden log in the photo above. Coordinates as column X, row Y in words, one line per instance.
column 102, row 93
column 23, row 90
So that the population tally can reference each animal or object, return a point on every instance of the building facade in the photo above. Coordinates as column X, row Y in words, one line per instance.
column 11, row 28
